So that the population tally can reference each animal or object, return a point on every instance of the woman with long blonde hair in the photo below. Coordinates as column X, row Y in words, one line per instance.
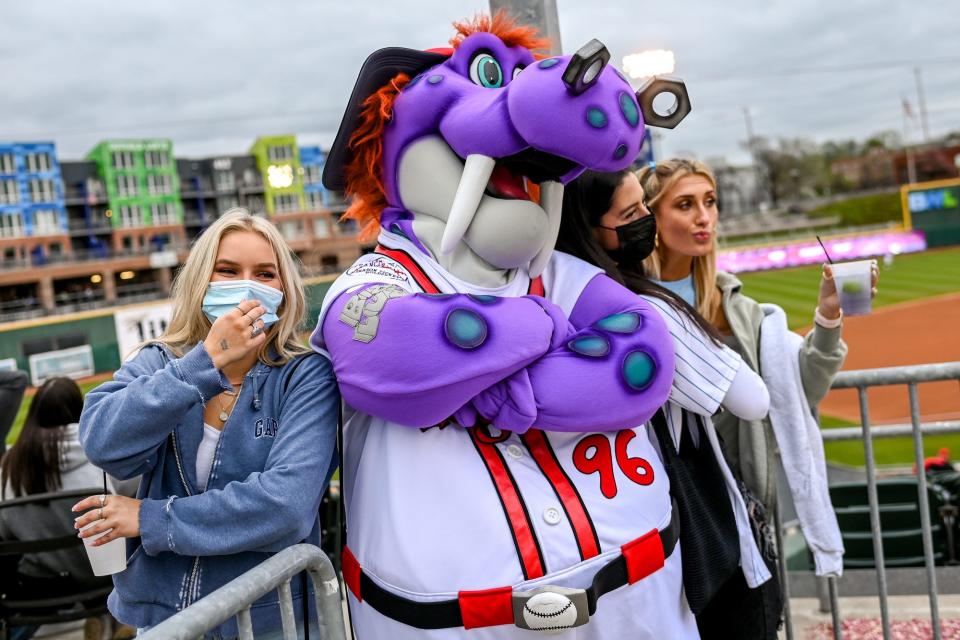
column 229, row 421
column 682, row 194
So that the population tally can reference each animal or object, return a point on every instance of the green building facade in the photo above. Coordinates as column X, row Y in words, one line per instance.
column 278, row 159
column 143, row 188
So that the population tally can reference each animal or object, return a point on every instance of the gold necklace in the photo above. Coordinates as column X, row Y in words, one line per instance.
column 223, row 410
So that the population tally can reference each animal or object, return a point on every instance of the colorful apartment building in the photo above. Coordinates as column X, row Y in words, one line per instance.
column 143, row 190
column 125, row 216
column 278, row 159
column 33, row 218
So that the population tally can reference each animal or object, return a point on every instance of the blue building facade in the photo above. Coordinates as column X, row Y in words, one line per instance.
column 31, row 191
column 312, row 160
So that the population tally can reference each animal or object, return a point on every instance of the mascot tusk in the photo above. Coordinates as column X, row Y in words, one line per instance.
column 476, row 174
column 551, row 201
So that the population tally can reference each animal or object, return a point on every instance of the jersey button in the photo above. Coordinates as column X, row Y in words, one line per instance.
column 514, row 451
column 551, row 515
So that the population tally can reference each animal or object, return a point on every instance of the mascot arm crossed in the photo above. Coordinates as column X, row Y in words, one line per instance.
column 518, row 362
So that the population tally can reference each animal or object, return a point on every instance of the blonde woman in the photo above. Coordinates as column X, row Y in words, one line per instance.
column 229, row 420
column 683, row 196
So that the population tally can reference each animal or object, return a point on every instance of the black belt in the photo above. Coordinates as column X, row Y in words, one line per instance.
column 629, row 567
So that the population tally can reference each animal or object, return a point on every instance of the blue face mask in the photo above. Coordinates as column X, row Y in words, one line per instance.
column 224, row 296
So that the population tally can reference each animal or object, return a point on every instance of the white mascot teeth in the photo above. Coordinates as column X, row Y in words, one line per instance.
column 549, row 613
column 477, row 170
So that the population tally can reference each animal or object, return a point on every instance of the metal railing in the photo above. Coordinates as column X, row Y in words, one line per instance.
column 910, row 376
column 235, row 598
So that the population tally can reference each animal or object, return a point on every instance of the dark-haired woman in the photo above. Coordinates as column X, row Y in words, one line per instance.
column 46, row 458
column 606, row 222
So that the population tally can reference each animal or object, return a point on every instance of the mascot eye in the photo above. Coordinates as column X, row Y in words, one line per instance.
column 485, row 71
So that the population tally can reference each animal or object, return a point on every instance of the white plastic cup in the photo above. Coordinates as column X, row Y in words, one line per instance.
column 853, row 280
column 105, row 559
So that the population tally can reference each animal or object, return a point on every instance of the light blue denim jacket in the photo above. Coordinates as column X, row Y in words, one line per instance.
column 271, row 466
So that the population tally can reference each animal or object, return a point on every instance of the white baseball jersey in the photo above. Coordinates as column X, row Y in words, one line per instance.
column 436, row 511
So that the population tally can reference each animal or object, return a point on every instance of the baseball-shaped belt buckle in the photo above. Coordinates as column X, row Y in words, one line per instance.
column 550, row 610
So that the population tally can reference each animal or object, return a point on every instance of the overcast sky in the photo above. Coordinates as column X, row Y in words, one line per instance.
column 214, row 74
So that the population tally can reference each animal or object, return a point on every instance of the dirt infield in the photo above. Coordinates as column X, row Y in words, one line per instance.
column 917, row 332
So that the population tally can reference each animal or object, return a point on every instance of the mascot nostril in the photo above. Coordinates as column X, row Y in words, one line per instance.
column 585, row 66
column 478, row 367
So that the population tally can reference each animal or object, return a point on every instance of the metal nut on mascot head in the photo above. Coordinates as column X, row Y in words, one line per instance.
column 493, row 387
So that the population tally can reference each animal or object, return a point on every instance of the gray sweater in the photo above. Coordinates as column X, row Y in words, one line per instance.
column 749, row 445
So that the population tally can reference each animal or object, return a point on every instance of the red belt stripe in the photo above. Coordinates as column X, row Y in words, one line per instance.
column 546, row 459
column 528, row 548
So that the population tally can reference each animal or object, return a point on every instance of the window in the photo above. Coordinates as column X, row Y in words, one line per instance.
column 7, row 165
column 126, row 186
column 37, row 162
column 321, row 228
column 291, row 230
column 130, row 216
column 46, row 223
column 224, row 181
column 41, row 190
column 156, row 159
column 163, row 213
column 225, row 203
column 159, row 184
column 9, row 193
column 314, row 200
column 11, row 225
column 311, row 174
column 285, row 203
column 280, row 153
column 123, row 160
column 255, row 204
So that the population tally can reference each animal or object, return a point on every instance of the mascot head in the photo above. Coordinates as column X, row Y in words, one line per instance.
column 469, row 147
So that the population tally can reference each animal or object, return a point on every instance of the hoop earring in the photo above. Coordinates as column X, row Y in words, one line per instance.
column 656, row 240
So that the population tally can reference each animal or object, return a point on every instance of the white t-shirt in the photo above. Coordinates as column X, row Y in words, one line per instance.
column 205, row 454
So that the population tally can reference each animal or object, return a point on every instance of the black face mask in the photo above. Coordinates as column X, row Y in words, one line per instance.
column 637, row 240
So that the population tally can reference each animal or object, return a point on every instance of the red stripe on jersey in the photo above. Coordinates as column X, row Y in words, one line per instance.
column 536, row 287
column 528, row 549
column 410, row 265
column 546, row 459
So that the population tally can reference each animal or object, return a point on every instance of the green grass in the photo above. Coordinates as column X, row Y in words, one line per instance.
column 887, row 451
column 883, row 207
column 912, row 276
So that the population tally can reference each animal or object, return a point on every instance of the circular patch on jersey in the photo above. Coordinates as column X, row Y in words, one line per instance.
column 620, row 322
column 638, row 370
column 590, row 346
column 483, row 298
column 465, row 328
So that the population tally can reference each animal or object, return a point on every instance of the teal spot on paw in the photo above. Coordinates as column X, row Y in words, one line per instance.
column 465, row 328
column 483, row 298
column 620, row 152
column 549, row 62
column 591, row 346
column 620, row 322
column 435, row 79
column 638, row 370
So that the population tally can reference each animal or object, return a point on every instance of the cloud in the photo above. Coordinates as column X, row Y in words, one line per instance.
column 214, row 75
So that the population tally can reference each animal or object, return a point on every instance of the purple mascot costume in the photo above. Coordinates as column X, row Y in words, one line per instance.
column 494, row 480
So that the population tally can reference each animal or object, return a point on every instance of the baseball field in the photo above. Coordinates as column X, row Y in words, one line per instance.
column 915, row 321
